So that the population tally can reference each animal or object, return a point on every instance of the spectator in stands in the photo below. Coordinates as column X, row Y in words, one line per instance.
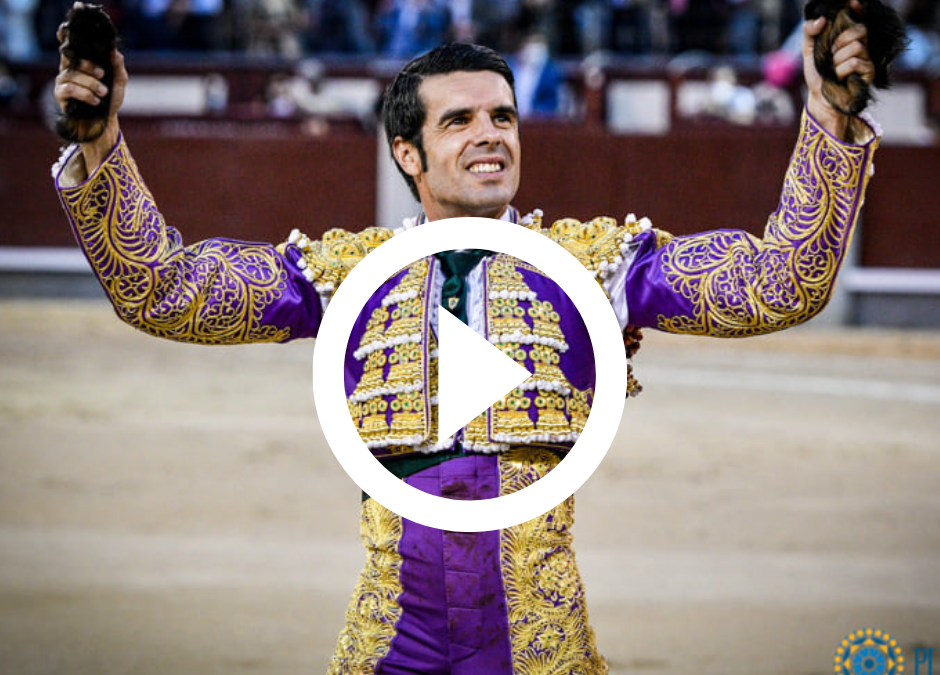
column 274, row 28
column 593, row 25
column 623, row 26
column 630, row 26
column 697, row 25
column 17, row 32
column 339, row 26
column 464, row 25
column 923, row 29
column 150, row 27
column 781, row 67
column 486, row 22
column 744, row 24
column 538, row 80
column 407, row 28
column 307, row 94
column 47, row 18
column 199, row 24
column 555, row 20
column 277, row 93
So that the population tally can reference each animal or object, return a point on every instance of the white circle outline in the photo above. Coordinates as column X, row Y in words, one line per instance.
column 330, row 353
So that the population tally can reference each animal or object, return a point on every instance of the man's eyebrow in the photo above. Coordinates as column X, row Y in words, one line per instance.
column 448, row 115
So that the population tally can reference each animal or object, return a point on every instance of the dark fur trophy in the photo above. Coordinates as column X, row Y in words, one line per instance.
column 886, row 41
column 90, row 36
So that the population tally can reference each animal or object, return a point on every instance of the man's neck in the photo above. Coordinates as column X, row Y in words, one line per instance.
column 510, row 214
column 438, row 211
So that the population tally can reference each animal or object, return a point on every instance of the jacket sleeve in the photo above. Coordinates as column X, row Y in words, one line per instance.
column 729, row 283
column 218, row 291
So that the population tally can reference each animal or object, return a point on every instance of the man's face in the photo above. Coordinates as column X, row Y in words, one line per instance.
column 471, row 142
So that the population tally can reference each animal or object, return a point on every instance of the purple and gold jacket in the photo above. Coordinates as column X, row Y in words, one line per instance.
column 721, row 283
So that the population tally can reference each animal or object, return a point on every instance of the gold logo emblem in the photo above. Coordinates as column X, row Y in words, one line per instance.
column 869, row 652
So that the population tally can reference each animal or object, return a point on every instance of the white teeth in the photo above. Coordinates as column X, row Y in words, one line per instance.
column 486, row 168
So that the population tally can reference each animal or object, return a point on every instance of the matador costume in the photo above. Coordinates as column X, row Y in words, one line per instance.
column 502, row 602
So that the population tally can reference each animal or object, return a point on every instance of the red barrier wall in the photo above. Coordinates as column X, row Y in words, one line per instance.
column 257, row 181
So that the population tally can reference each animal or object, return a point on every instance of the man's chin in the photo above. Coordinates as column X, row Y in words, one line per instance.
column 491, row 201
column 488, row 209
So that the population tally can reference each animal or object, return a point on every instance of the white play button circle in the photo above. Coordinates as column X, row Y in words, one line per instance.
column 472, row 374
column 609, row 388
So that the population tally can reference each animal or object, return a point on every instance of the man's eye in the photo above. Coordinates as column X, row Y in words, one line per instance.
column 458, row 121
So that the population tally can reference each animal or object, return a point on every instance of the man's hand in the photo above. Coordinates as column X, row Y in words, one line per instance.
column 849, row 55
column 81, row 81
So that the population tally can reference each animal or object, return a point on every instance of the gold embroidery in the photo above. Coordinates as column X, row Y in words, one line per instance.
column 212, row 292
column 546, row 359
column 739, row 285
column 524, row 327
column 546, row 321
column 662, row 237
column 332, row 257
column 579, row 407
column 477, row 434
column 510, row 416
column 548, row 619
column 506, row 316
column 599, row 244
column 374, row 610
column 392, row 401
column 528, row 330
column 375, row 329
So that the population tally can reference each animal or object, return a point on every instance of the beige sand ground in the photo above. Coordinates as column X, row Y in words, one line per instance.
column 173, row 510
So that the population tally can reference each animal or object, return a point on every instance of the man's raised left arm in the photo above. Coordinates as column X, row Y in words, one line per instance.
column 729, row 283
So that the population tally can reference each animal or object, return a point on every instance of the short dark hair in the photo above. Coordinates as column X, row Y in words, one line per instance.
column 403, row 111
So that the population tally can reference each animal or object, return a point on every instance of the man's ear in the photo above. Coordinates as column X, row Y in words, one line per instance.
column 407, row 156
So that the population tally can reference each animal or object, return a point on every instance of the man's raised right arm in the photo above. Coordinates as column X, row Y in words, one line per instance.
column 218, row 291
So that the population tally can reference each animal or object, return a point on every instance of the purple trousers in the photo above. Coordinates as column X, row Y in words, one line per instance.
column 436, row 602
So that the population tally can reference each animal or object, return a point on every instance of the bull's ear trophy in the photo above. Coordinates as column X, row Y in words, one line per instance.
column 886, row 41
column 89, row 35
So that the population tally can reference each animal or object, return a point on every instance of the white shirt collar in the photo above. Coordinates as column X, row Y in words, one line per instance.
column 510, row 215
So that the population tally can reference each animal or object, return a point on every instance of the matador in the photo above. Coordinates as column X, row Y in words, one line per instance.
column 439, row 602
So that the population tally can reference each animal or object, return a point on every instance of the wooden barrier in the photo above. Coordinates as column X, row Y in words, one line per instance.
column 246, row 176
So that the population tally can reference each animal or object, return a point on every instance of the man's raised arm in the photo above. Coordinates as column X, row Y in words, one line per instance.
column 218, row 291
column 729, row 283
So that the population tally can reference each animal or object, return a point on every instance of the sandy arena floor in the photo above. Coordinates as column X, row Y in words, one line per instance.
column 172, row 509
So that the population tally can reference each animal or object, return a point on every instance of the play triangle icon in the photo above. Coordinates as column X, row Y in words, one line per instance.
column 472, row 374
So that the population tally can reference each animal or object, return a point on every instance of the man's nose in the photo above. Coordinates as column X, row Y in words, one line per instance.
column 487, row 133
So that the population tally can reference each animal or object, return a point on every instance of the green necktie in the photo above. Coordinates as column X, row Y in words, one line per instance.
column 455, row 265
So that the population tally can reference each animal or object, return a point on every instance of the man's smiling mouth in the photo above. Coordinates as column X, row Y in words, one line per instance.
column 486, row 167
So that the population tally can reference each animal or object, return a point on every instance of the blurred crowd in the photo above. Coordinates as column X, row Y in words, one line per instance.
column 403, row 28
column 536, row 36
